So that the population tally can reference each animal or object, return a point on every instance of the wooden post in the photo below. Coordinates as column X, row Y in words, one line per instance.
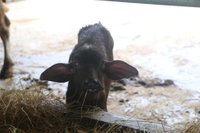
column 99, row 118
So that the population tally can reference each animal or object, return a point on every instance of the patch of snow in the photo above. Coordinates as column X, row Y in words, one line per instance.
column 163, row 65
column 177, row 114
column 131, row 105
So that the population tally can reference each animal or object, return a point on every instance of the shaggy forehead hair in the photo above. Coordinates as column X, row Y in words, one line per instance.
column 88, row 56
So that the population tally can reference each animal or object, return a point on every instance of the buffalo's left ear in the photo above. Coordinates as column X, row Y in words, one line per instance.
column 58, row 73
column 116, row 70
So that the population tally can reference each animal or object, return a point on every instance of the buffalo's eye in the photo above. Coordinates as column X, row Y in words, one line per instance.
column 74, row 67
column 102, row 66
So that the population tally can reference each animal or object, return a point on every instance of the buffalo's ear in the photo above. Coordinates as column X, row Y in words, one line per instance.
column 116, row 70
column 59, row 73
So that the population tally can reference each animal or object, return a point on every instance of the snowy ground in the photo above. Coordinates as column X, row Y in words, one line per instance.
column 163, row 42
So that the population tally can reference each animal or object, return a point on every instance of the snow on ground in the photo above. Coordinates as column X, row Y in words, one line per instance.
column 161, row 41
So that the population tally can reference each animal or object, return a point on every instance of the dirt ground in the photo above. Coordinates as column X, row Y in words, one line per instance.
column 41, row 37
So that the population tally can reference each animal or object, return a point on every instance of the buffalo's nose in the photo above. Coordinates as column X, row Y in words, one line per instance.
column 92, row 85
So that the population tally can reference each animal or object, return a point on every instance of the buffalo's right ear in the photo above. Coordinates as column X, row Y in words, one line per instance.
column 59, row 73
column 117, row 69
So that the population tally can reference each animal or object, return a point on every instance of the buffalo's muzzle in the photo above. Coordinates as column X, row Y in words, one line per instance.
column 92, row 85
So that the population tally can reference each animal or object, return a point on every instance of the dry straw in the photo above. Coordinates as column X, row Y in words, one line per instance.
column 30, row 111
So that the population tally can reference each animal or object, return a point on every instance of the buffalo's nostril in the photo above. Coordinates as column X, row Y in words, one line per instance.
column 92, row 85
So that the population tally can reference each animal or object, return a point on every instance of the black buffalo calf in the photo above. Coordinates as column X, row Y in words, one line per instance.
column 91, row 68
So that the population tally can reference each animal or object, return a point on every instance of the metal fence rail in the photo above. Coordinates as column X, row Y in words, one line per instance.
column 191, row 3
